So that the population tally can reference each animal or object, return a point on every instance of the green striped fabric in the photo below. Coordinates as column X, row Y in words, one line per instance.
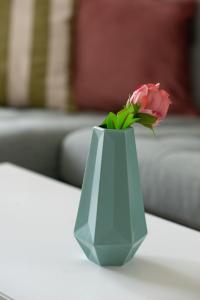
column 35, row 53
column 39, row 53
column 4, row 38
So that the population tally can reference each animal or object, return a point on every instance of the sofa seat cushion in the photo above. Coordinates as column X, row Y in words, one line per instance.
column 169, row 166
column 32, row 138
column 170, row 177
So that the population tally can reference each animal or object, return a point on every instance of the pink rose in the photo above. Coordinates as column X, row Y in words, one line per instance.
column 152, row 100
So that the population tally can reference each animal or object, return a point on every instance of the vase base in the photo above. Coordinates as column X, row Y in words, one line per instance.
column 109, row 256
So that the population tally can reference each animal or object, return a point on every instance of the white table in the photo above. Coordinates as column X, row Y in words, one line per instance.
column 41, row 260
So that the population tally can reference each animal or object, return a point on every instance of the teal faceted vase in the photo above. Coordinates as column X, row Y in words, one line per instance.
column 110, row 224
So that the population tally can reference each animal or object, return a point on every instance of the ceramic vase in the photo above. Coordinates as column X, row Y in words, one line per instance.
column 110, row 224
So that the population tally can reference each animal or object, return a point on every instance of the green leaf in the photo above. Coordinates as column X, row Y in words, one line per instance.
column 130, row 120
column 110, row 121
column 131, row 108
column 124, row 118
column 121, row 116
column 136, row 108
column 150, row 127
column 124, row 114
column 136, row 120
column 146, row 119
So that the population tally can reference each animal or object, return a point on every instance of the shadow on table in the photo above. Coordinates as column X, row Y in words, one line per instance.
column 172, row 276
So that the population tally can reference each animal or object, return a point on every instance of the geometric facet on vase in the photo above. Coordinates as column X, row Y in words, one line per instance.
column 110, row 224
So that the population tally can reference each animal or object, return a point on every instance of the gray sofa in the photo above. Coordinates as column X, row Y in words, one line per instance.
column 56, row 144
column 33, row 138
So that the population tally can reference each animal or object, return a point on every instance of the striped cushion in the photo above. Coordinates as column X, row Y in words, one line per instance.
column 34, row 52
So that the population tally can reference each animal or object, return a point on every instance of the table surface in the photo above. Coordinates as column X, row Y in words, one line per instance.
column 41, row 260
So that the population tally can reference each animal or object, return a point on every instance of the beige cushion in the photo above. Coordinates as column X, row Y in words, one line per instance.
column 34, row 52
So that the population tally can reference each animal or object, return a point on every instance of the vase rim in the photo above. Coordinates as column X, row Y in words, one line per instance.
column 112, row 130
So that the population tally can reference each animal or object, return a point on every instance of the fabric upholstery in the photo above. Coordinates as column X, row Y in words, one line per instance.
column 123, row 44
column 34, row 52
column 32, row 138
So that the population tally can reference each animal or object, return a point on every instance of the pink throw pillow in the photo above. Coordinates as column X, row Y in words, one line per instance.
column 120, row 45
